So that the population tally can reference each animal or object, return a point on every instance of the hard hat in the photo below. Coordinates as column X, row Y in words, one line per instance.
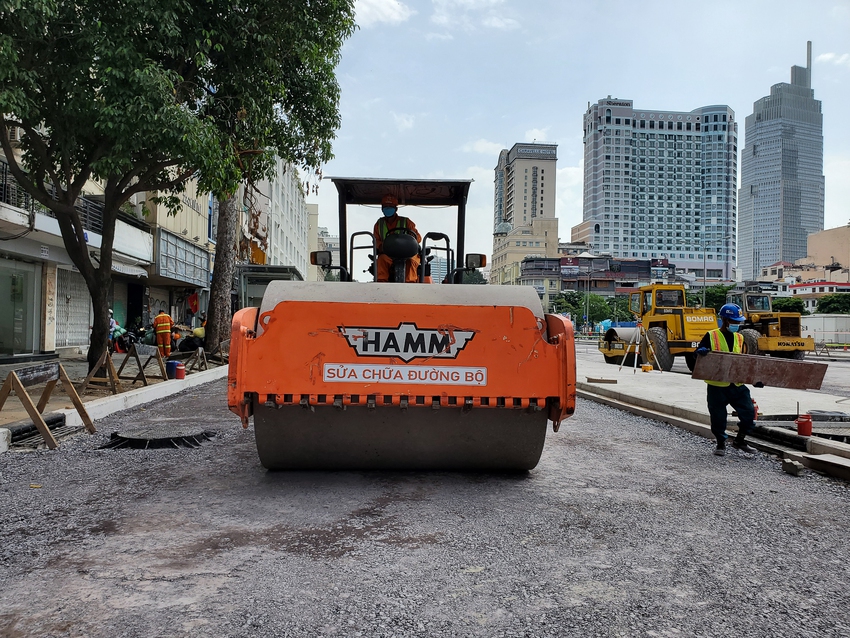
column 732, row 312
column 389, row 200
column 110, row 311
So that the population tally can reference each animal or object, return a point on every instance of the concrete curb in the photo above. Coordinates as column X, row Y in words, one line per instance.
column 667, row 410
column 100, row 408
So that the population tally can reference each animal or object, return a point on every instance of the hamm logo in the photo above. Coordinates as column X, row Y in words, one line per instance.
column 407, row 342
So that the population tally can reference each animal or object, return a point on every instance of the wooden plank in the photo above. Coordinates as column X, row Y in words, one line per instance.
column 90, row 377
column 134, row 352
column 34, row 375
column 75, row 399
column 750, row 369
column 5, row 390
column 34, row 414
column 45, row 395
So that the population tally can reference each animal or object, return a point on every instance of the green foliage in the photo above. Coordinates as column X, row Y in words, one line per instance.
column 620, row 308
column 578, row 304
column 789, row 304
column 473, row 277
column 715, row 297
column 838, row 303
column 331, row 275
column 160, row 90
column 568, row 301
column 144, row 95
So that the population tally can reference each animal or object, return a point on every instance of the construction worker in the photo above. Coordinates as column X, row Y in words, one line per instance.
column 112, row 326
column 720, row 393
column 392, row 221
column 162, row 325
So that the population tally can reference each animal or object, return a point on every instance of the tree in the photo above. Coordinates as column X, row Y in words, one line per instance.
column 597, row 307
column 473, row 277
column 838, row 303
column 715, row 297
column 620, row 310
column 568, row 301
column 142, row 96
column 789, row 304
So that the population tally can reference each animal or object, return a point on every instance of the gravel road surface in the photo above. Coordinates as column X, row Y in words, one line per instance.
column 628, row 527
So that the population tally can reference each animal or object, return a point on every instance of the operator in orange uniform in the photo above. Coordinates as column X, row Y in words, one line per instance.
column 386, row 224
column 162, row 325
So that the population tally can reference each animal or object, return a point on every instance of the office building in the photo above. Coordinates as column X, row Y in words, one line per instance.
column 782, row 183
column 661, row 184
column 524, row 221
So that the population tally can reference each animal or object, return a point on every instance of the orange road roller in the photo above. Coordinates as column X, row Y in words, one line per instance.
column 403, row 376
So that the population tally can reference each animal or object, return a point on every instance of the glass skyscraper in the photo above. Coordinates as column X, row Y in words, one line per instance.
column 782, row 183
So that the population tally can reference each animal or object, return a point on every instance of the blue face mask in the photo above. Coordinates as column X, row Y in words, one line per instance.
column 388, row 211
column 733, row 327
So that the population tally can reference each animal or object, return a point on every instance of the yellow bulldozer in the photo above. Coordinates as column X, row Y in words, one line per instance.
column 376, row 375
column 767, row 332
column 667, row 328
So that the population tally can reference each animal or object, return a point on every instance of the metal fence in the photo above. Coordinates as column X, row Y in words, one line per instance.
column 13, row 194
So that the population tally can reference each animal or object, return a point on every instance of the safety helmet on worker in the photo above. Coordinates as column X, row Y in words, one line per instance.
column 732, row 312
column 389, row 205
column 110, row 311
column 389, row 200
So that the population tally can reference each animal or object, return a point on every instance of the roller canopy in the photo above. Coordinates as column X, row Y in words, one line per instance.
column 409, row 192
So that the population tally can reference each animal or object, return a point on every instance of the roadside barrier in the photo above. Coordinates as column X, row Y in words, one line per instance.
column 51, row 373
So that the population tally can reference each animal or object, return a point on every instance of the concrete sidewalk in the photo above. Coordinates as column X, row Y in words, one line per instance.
column 677, row 393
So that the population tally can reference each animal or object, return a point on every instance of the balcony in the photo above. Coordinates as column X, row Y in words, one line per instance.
column 13, row 194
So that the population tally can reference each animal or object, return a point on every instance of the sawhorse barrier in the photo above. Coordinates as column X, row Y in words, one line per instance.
column 138, row 350
column 51, row 373
column 103, row 363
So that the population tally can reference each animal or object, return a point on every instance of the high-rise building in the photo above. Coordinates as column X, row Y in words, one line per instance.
column 524, row 219
column 782, row 184
column 661, row 185
column 288, row 226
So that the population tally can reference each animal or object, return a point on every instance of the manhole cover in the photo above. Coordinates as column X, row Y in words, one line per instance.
column 159, row 436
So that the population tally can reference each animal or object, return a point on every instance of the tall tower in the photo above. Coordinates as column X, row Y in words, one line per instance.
column 782, row 184
column 524, row 221
column 661, row 184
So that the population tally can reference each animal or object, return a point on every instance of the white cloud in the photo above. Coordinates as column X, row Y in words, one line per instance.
column 439, row 36
column 536, row 134
column 369, row 12
column 403, row 121
column 500, row 22
column 483, row 146
column 466, row 14
column 834, row 58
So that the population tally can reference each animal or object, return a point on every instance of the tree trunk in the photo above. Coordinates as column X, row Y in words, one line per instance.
column 218, row 315
column 99, row 291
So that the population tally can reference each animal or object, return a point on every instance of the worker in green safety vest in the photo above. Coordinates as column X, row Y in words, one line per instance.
column 726, row 338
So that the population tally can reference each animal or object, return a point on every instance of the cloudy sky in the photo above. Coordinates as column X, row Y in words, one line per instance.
column 435, row 88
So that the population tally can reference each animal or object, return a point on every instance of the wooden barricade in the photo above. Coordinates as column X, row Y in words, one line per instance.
column 221, row 353
column 111, row 378
column 138, row 350
column 197, row 361
column 51, row 373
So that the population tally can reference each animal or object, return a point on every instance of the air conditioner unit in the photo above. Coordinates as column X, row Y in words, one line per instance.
column 14, row 134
